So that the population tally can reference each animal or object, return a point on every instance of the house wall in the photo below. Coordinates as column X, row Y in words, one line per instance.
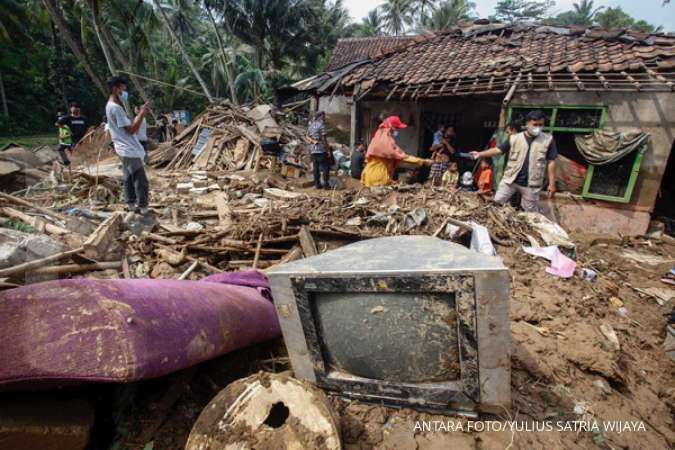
column 338, row 117
column 652, row 112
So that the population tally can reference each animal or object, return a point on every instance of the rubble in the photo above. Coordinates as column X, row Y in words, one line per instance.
column 576, row 342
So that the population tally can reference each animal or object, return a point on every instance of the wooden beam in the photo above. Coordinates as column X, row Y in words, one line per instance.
column 98, row 242
column 391, row 93
column 405, row 91
column 660, row 77
column 603, row 80
column 454, row 89
column 77, row 268
column 549, row 79
column 578, row 82
column 530, row 81
column 632, row 80
column 307, row 242
column 30, row 265
column 35, row 222
column 45, row 211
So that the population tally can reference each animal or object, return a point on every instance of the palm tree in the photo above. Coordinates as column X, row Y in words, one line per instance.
column 585, row 13
column 181, row 48
column 396, row 15
column 73, row 44
column 371, row 25
column 424, row 6
column 227, row 65
column 447, row 14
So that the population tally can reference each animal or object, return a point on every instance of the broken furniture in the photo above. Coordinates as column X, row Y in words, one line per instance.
column 406, row 320
column 84, row 330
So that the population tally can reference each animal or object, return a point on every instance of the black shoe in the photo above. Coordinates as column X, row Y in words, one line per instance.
column 317, row 186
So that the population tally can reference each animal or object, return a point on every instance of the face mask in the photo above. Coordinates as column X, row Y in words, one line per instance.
column 395, row 134
column 535, row 131
column 124, row 96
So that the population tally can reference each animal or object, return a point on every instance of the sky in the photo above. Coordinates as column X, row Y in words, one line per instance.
column 650, row 10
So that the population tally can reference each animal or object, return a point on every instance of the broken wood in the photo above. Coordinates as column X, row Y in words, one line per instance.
column 77, row 268
column 35, row 222
column 100, row 240
column 224, row 211
column 189, row 270
column 28, row 266
column 307, row 242
column 45, row 211
column 204, row 264
column 256, row 257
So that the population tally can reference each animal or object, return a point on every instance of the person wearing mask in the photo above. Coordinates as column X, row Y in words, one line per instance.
column 358, row 158
column 320, row 150
column 127, row 146
column 529, row 155
column 384, row 155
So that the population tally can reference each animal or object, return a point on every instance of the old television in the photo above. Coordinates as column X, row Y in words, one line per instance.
column 403, row 321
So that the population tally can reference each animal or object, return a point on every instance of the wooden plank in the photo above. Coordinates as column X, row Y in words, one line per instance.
column 45, row 211
column 189, row 129
column 307, row 242
column 98, row 242
column 77, row 268
column 225, row 221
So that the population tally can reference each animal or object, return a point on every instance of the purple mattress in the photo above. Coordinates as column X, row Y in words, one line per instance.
column 128, row 330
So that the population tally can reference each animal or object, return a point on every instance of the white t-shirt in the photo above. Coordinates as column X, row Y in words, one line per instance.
column 142, row 133
column 126, row 144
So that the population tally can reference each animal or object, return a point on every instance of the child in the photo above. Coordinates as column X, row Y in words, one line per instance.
column 451, row 176
column 65, row 140
column 438, row 168
column 485, row 179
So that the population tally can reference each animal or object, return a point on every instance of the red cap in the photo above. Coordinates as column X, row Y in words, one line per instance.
column 393, row 122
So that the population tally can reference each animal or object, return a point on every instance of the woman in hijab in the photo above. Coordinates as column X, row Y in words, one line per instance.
column 384, row 155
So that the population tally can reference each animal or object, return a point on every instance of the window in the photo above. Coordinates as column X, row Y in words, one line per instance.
column 613, row 182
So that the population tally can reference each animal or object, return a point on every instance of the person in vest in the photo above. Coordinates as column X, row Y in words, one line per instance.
column 528, row 155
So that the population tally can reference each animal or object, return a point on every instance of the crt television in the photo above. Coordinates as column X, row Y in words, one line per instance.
column 406, row 321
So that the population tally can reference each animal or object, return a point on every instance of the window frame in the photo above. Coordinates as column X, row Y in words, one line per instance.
column 551, row 128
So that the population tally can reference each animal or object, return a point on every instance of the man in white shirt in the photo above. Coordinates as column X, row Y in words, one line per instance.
column 127, row 145
column 142, row 134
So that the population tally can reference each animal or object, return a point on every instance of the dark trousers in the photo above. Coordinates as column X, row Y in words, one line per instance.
column 321, row 164
column 62, row 152
column 136, row 185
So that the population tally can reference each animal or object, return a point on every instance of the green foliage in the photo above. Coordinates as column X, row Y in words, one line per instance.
column 397, row 14
column 511, row 11
column 447, row 14
column 17, row 225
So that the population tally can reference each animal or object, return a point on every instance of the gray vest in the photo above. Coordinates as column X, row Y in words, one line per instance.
column 517, row 154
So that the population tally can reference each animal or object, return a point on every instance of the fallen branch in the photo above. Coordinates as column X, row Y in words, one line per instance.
column 77, row 268
column 35, row 222
column 45, row 211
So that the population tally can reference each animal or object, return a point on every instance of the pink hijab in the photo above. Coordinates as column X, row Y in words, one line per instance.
column 383, row 145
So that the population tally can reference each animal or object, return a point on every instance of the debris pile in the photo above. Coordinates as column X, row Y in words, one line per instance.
column 229, row 137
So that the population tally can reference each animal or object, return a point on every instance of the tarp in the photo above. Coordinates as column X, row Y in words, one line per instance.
column 604, row 147
column 84, row 330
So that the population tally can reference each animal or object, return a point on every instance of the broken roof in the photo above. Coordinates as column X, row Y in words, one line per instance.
column 491, row 57
column 351, row 50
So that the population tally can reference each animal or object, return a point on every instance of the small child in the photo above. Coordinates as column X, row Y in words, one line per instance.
column 451, row 176
column 438, row 168
column 486, row 178
column 65, row 140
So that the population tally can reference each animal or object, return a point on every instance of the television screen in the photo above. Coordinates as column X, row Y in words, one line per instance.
column 392, row 336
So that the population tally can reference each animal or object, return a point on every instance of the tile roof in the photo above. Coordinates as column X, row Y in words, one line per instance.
column 351, row 50
column 495, row 51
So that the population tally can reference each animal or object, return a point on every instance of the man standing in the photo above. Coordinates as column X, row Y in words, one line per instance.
column 316, row 135
column 77, row 123
column 127, row 146
column 529, row 154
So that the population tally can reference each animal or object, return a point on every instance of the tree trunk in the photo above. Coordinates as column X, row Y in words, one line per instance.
column 228, row 67
column 3, row 98
column 60, row 22
column 93, row 5
column 57, row 43
column 183, row 51
column 126, row 64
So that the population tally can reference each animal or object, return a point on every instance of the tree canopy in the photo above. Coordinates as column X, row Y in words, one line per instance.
column 180, row 53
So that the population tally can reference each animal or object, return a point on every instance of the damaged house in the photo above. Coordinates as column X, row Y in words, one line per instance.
column 608, row 97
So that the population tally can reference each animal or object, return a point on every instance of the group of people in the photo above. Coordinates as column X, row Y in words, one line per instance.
column 129, row 139
column 529, row 154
